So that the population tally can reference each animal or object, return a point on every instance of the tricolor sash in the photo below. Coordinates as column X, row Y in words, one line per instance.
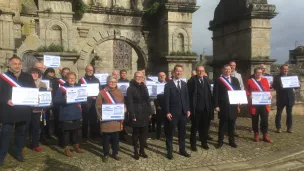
column 61, row 81
column 109, row 96
column 260, row 87
column 10, row 80
column 83, row 81
column 226, row 83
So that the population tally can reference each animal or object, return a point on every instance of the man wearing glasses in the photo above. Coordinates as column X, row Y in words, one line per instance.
column 199, row 87
column 88, row 109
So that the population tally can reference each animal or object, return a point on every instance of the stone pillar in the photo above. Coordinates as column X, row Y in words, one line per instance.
column 7, row 42
column 175, row 35
column 185, row 61
column 241, row 32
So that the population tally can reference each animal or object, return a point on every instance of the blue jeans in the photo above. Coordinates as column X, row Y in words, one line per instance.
column 6, row 132
column 288, row 116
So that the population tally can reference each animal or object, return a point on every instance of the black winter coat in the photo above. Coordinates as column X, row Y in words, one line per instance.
column 284, row 96
column 11, row 114
column 138, row 104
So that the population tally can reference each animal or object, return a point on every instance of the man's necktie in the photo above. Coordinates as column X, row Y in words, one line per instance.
column 202, row 82
column 178, row 85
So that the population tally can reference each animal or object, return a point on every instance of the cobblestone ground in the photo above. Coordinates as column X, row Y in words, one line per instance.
column 52, row 157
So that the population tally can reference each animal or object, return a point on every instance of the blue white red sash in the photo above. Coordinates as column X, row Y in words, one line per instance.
column 10, row 80
column 109, row 96
column 226, row 83
column 257, row 84
column 61, row 81
column 63, row 89
column 83, row 81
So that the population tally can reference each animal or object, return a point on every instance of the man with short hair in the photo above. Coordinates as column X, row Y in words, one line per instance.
column 177, row 111
column 40, row 66
column 123, row 76
column 264, row 68
column 116, row 74
column 235, row 74
column 13, row 117
column 226, row 111
column 89, row 114
column 285, row 97
column 199, row 87
column 160, row 107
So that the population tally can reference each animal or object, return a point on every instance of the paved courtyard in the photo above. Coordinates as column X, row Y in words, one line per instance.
column 248, row 155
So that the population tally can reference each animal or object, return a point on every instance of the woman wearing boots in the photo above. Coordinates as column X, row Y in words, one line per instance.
column 69, row 117
column 258, row 84
column 138, row 105
column 111, row 94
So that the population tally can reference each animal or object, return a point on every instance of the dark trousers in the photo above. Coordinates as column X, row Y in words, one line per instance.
column 46, row 130
column 288, row 116
column 113, row 138
column 180, row 122
column 139, row 133
column 34, row 129
column 221, row 132
column 199, row 124
column 70, row 135
column 89, row 119
column 263, row 114
column 6, row 132
column 160, row 116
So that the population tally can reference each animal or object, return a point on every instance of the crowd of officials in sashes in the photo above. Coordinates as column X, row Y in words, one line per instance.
column 196, row 99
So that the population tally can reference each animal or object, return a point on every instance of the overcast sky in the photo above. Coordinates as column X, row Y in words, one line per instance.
column 287, row 27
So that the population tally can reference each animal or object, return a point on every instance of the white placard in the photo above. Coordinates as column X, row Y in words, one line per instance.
column 123, row 86
column 269, row 79
column 25, row 96
column 102, row 77
column 237, row 97
column 152, row 88
column 47, row 83
column 290, row 82
column 76, row 94
column 92, row 89
column 261, row 98
column 160, row 88
column 153, row 78
column 113, row 112
column 51, row 61
column 45, row 98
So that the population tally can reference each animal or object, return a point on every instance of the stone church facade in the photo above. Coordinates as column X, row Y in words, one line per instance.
column 111, row 34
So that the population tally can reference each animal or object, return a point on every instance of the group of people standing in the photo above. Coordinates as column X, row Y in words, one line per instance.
column 197, row 99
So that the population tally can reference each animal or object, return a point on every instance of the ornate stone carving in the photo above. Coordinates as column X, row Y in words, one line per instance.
column 83, row 31
column 122, row 55
column 29, row 61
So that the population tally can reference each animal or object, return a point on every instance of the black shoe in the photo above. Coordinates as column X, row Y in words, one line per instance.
column 136, row 156
column 233, row 145
column 205, row 146
column 116, row 157
column 19, row 158
column 170, row 156
column 209, row 137
column 144, row 155
column 193, row 148
column 184, row 153
column 219, row 145
column 105, row 159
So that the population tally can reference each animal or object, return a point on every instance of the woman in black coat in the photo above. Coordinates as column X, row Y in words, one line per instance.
column 138, row 105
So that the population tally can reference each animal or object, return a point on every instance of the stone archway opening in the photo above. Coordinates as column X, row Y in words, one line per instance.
column 116, row 54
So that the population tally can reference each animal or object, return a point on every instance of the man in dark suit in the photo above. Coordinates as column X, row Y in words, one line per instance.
column 285, row 98
column 177, row 111
column 200, row 106
column 226, row 111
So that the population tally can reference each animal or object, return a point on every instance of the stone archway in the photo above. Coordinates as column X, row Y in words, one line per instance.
column 136, row 41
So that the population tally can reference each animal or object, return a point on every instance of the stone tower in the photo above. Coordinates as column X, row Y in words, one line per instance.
column 241, row 32
column 173, row 36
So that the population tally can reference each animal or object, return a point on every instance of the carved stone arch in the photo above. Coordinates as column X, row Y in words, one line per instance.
column 49, row 26
column 138, row 45
column 180, row 33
